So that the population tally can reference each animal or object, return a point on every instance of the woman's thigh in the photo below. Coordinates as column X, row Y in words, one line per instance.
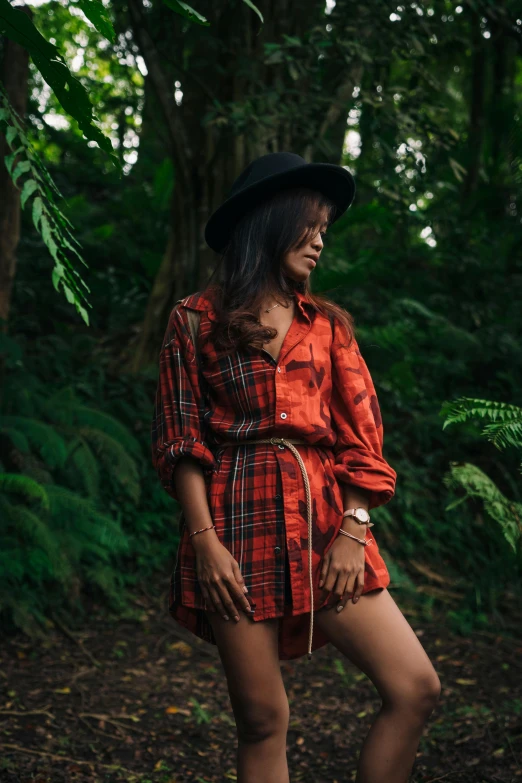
column 250, row 657
column 375, row 636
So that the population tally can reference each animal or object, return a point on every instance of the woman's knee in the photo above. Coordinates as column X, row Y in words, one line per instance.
column 258, row 720
column 418, row 693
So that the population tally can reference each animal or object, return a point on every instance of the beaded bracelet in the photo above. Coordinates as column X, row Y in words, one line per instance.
column 210, row 527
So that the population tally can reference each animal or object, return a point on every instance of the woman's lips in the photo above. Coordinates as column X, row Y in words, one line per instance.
column 312, row 261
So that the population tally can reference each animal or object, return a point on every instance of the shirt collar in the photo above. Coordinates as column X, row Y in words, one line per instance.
column 199, row 301
column 304, row 305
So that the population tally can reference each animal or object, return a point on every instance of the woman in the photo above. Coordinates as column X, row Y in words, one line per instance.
column 275, row 534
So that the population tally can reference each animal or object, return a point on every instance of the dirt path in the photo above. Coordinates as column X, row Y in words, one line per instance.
column 140, row 700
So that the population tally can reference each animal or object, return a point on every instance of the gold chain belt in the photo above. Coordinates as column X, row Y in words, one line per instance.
column 282, row 442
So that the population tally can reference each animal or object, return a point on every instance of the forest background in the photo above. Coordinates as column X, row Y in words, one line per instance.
column 423, row 103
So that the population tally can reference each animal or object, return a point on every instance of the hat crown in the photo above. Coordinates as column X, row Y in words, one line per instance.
column 267, row 175
column 266, row 166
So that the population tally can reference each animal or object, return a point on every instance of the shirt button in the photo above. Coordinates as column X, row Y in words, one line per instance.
column 277, row 550
column 277, row 497
column 283, row 415
column 278, row 369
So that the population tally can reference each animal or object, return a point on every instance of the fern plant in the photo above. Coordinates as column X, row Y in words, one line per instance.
column 503, row 430
column 68, row 474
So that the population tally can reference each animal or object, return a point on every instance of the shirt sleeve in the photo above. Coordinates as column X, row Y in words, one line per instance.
column 176, row 425
column 356, row 417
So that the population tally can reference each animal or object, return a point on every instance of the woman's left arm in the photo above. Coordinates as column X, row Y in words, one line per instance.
column 365, row 477
column 356, row 417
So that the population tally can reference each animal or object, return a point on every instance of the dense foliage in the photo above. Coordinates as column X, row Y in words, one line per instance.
column 427, row 260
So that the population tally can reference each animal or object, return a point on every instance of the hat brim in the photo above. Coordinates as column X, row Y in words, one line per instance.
column 334, row 181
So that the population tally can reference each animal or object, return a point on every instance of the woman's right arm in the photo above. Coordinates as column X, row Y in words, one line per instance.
column 218, row 573
column 180, row 455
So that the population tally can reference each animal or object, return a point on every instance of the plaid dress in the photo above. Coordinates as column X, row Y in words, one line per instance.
column 318, row 390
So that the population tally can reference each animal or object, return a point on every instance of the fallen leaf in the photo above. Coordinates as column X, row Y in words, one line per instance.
column 174, row 710
column 182, row 647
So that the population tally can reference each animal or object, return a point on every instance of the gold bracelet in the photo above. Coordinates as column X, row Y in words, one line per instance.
column 360, row 540
column 210, row 527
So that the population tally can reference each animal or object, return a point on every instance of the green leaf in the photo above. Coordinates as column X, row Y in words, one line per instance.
column 28, row 189
column 9, row 161
column 457, row 169
column 254, row 8
column 70, row 92
column 19, row 28
column 83, row 312
column 69, row 294
column 11, row 134
column 53, row 249
column 21, row 168
column 57, row 274
column 96, row 13
column 47, row 217
column 37, row 211
column 45, row 229
column 185, row 10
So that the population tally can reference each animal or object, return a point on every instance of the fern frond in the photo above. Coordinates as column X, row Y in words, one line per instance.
column 505, row 428
column 95, row 419
column 476, row 484
column 18, row 484
column 116, row 460
column 24, row 612
column 43, row 436
column 59, row 407
column 71, row 512
column 505, row 434
column 17, row 438
column 85, row 466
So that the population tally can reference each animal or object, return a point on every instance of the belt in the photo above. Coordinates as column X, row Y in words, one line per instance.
column 282, row 442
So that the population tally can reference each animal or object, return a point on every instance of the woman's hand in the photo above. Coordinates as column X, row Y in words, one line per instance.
column 343, row 570
column 220, row 579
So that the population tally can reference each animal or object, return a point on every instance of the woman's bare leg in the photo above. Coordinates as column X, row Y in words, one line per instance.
column 375, row 636
column 249, row 654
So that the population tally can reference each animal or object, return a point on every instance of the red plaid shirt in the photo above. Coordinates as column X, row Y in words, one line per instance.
column 318, row 390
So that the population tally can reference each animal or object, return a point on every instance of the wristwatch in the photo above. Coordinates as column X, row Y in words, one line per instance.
column 360, row 515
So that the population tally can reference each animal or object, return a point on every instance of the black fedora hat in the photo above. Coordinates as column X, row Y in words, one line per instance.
column 267, row 175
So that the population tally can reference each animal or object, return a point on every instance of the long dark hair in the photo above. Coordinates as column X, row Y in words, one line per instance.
column 250, row 266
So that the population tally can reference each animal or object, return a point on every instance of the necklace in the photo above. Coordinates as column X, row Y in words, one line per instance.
column 277, row 305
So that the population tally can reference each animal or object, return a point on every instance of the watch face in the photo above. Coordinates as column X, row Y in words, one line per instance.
column 362, row 515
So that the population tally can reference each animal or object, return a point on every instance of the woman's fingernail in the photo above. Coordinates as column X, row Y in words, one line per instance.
column 339, row 608
column 225, row 617
column 245, row 589
column 320, row 583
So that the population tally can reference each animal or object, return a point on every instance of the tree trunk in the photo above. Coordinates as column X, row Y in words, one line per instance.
column 475, row 140
column 208, row 156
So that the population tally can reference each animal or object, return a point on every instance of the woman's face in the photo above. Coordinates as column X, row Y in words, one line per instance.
column 299, row 263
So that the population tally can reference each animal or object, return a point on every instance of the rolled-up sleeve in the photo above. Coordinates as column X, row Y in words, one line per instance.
column 356, row 417
column 176, row 424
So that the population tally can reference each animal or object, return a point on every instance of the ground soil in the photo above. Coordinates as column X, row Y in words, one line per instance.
column 141, row 700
